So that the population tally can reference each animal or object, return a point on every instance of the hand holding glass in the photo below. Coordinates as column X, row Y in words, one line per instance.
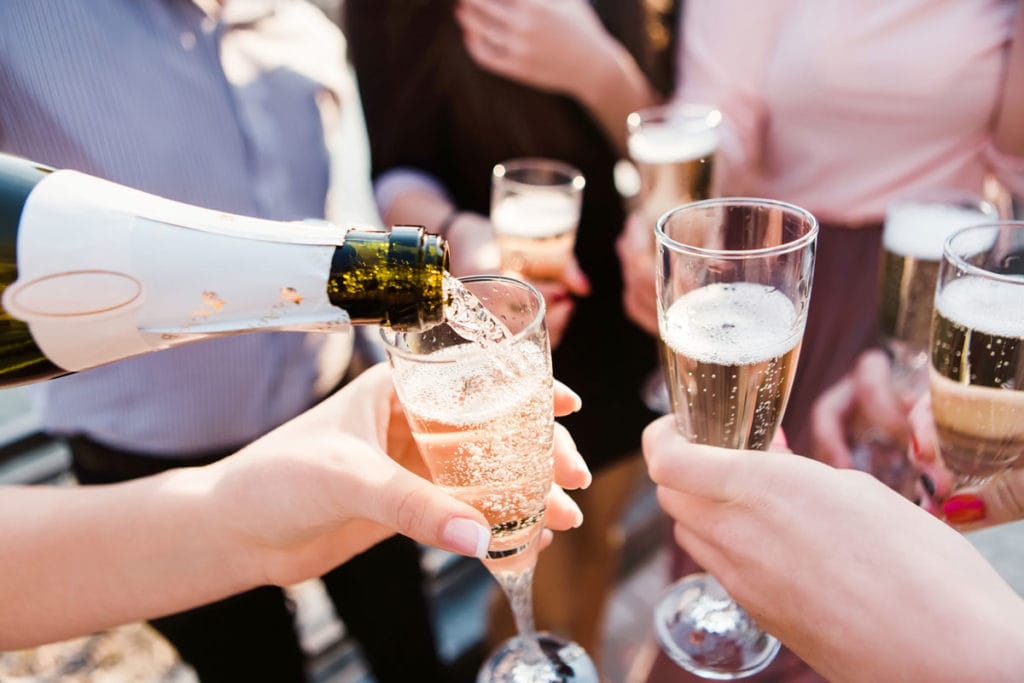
column 916, row 227
column 977, row 352
column 477, row 391
column 535, row 210
column 734, row 282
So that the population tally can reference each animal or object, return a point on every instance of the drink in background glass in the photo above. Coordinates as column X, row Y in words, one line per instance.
column 478, row 393
column 977, row 352
column 535, row 210
column 734, row 280
column 673, row 148
column 915, row 229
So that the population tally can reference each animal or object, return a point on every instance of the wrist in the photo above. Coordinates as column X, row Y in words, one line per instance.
column 220, row 513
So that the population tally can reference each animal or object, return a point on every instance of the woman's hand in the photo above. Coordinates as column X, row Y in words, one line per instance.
column 347, row 474
column 999, row 500
column 858, row 581
column 554, row 45
column 864, row 402
column 635, row 248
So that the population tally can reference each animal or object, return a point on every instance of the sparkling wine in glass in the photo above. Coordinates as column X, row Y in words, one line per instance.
column 916, row 227
column 673, row 148
column 478, row 393
column 535, row 210
column 976, row 374
column 734, row 283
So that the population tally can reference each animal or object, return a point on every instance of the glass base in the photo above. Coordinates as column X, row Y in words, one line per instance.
column 561, row 661
column 704, row 631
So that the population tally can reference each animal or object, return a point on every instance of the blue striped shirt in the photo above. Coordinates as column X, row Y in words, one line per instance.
column 225, row 112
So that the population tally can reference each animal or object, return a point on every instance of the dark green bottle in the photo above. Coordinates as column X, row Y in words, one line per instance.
column 92, row 272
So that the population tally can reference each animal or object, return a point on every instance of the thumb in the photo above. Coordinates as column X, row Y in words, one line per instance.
column 999, row 500
column 421, row 510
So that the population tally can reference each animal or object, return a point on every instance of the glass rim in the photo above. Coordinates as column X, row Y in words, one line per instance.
column 472, row 349
column 574, row 178
column 969, row 268
column 711, row 114
column 738, row 254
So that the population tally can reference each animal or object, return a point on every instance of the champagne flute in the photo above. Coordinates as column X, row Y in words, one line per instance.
column 535, row 210
column 673, row 147
column 478, row 393
column 976, row 375
column 916, row 227
column 734, row 282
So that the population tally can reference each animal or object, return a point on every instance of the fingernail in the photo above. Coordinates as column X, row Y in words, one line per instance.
column 581, row 465
column 466, row 537
column 577, row 401
column 928, row 485
column 915, row 445
column 963, row 508
column 579, row 515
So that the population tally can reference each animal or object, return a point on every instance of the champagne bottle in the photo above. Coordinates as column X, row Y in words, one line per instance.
column 92, row 272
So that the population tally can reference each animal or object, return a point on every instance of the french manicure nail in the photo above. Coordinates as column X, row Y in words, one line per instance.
column 963, row 508
column 466, row 537
column 928, row 485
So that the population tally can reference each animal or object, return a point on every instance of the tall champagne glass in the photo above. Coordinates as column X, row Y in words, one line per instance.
column 535, row 210
column 477, row 391
column 916, row 227
column 673, row 148
column 734, row 282
column 977, row 352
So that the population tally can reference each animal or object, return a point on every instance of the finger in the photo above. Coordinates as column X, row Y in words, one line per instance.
column 875, row 397
column 485, row 13
column 566, row 400
column 562, row 511
column 937, row 481
column 546, row 537
column 575, row 280
column 558, row 316
column 828, row 424
column 922, row 430
column 642, row 310
column 571, row 471
column 677, row 464
column 486, row 50
column 998, row 501
column 414, row 507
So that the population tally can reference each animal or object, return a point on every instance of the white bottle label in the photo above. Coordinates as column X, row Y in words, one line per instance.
column 106, row 272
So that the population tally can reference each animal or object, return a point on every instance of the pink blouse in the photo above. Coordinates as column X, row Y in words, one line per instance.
column 836, row 106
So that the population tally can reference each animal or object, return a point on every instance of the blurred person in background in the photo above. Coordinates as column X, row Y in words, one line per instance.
column 452, row 88
column 839, row 107
column 232, row 106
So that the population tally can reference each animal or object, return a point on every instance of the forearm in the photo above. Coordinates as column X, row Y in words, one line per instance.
column 77, row 560
column 616, row 88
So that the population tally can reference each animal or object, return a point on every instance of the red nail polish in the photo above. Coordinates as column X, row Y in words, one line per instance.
column 963, row 508
column 914, row 445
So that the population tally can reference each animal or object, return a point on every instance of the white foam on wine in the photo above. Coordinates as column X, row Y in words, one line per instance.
column 732, row 324
column 670, row 142
column 919, row 229
column 478, row 388
column 990, row 306
column 540, row 213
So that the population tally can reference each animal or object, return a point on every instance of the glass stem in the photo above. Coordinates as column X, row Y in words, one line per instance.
column 518, row 587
